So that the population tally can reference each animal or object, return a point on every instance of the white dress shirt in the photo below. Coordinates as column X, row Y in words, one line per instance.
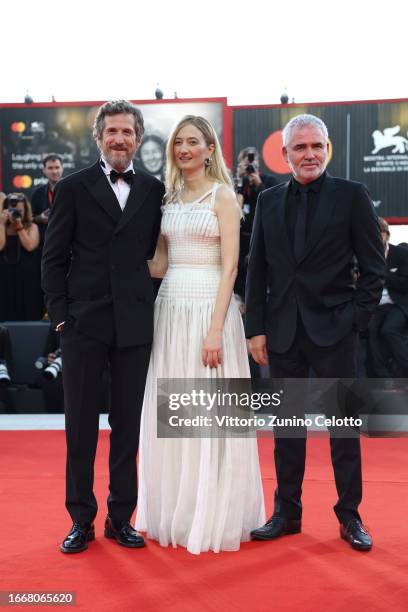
column 121, row 188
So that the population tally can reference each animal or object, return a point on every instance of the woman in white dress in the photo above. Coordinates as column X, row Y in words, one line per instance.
column 201, row 493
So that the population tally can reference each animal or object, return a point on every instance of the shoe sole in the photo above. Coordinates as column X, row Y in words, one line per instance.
column 111, row 536
column 70, row 551
column 283, row 533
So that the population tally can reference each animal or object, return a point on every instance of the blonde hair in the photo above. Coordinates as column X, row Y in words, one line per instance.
column 217, row 170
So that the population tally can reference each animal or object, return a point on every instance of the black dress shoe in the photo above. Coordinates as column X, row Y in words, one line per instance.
column 276, row 526
column 356, row 535
column 123, row 533
column 78, row 538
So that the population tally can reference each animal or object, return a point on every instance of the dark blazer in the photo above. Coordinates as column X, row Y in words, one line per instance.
column 396, row 281
column 320, row 285
column 94, row 268
column 39, row 200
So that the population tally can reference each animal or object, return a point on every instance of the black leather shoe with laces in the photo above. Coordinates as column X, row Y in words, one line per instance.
column 123, row 533
column 356, row 535
column 78, row 538
column 276, row 526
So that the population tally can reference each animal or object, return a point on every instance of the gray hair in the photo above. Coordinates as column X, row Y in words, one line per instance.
column 301, row 121
column 117, row 107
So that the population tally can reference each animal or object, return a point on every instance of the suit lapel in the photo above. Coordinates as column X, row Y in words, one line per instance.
column 391, row 257
column 100, row 189
column 138, row 193
column 322, row 216
column 282, row 196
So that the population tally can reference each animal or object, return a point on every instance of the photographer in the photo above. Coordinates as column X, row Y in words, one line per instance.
column 249, row 184
column 21, row 296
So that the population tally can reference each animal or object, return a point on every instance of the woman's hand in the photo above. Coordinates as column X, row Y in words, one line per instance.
column 16, row 224
column 212, row 349
column 2, row 198
column 4, row 216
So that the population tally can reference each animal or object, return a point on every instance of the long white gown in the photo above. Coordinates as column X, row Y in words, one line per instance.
column 203, row 494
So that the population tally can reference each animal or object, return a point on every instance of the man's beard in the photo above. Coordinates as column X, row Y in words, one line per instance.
column 119, row 160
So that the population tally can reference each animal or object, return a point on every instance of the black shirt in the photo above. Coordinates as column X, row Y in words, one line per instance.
column 293, row 203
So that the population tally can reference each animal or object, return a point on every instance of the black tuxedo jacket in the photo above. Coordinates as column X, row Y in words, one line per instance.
column 396, row 279
column 319, row 287
column 94, row 266
column 39, row 200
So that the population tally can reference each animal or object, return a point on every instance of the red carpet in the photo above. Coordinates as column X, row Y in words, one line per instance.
column 311, row 571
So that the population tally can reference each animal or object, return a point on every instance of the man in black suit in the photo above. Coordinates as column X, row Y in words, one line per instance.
column 302, row 311
column 388, row 330
column 43, row 197
column 103, row 227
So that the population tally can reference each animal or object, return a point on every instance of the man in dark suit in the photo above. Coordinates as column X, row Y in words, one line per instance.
column 302, row 311
column 103, row 227
column 388, row 330
column 43, row 197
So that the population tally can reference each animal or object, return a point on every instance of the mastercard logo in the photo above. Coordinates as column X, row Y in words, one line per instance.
column 272, row 153
column 18, row 127
column 22, row 182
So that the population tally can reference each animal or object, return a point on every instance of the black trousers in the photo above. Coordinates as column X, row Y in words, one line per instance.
column 388, row 337
column 338, row 361
column 85, row 361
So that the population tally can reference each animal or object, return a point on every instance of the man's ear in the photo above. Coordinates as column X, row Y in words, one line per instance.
column 285, row 153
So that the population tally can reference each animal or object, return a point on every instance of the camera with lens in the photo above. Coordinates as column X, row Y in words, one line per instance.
column 41, row 363
column 15, row 214
column 4, row 374
column 50, row 370
column 12, row 201
column 250, row 167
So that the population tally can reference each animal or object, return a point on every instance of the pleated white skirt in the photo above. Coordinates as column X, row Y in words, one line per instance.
column 200, row 493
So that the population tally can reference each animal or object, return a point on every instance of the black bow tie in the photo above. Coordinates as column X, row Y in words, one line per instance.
column 126, row 176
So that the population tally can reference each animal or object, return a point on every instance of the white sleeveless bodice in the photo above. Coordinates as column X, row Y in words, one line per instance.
column 192, row 235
